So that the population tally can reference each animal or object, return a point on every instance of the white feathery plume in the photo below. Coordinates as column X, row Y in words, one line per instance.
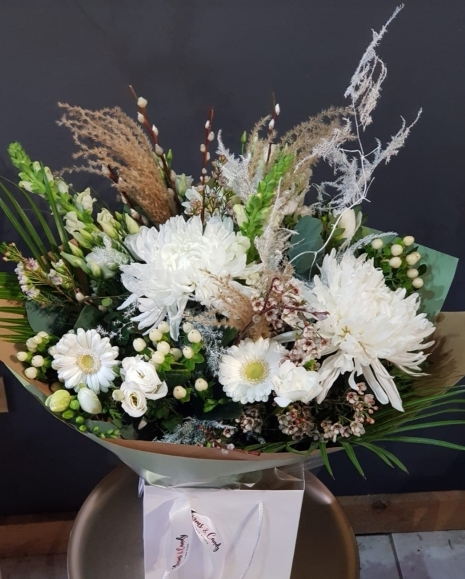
column 236, row 171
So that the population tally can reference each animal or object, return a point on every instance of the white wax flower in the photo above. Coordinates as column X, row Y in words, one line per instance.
column 136, row 371
column 294, row 383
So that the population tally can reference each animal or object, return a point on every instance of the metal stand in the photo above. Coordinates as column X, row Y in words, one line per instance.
column 106, row 541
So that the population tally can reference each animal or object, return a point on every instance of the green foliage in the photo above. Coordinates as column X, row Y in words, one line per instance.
column 305, row 243
column 258, row 205
column 89, row 318
column 46, row 319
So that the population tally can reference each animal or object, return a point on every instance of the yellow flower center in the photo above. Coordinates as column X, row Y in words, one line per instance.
column 255, row 371
column 88, row 363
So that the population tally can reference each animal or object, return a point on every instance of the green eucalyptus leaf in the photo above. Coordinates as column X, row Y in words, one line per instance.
column 89, row 318
column 306, row 241
column 45, row 318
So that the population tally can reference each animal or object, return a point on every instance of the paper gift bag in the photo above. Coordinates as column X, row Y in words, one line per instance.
column 199, row 533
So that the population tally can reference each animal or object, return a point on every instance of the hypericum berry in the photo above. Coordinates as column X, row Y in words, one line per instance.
column 163, row 347
column 164, row 327
column 139, row 344
column 179, row 392
column 22, row 356
column 155, row 335
column 31, row 373
column 201, row 384
column 412, row 273
column 176, row 353
column 194, row 336
column 396, row 249
column 377, row 243
column 187, row 327
column 395, row 262
column 37, row 361
column 408, row 240
column 158, row 357
column 413, row 258
column 418, row 283
column 187, row 352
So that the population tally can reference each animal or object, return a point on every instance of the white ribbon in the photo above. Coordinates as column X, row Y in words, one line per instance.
column 184, row 522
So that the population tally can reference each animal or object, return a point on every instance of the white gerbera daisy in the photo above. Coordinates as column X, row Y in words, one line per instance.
column 178, row 262
column 247, row 370
column 366, row 323
column 85, row 358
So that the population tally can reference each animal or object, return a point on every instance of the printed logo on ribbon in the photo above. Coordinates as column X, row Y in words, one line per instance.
column 206, row 531
column 181, row 551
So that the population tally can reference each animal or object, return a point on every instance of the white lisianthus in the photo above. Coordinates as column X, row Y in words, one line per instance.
column 349, row 221
column 134, row 402
column 366, row 323
column 179, row 261
column 135, row 370
column 72, row 223
column 108, row 223
column 85, row 200
column 85, row 358
column 89, row 401
column 247, row 370
column 294, row 383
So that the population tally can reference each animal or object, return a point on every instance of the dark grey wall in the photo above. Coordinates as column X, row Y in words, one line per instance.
column 186, row 56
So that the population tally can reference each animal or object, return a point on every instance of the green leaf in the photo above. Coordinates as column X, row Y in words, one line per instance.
column 351, row 454
column 325, row 459
column 177, row 377
column 89, row 318
column 389, row 458
column 228, row 411
column 305, row 243
column 228, row 336
column 419, row 440
column 46, row 319
column 210, row 404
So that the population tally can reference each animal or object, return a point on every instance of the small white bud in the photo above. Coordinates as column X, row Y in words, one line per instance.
column 408, row 240
column 139, row 344
column 163, row 347
column 395, row 262
column 155, row 130
column 155, row 335
column 37, row 361
column 413, row 257
column 141, row 118
column 103, row 309
column 158, row 150
column 52, row 351
column 164, row 327
column 31, row 345
column 141, row 102
column 201, row 384
column 43, row 334
column 158, row 357
column 202, row 148
column 417, row 283
column 396, row 249
column 22, row 356
column 118, row 395
column 377, row 243
column 412, row 273
column 80, row 297
column 277, row 109
column 179, row 392
column 187, row 327
column 207, row 125
column 31, row 373
column 194, row 336
column 187, row 352
column 211, row 136
column 207, row 156
column 271, row 125
column 176, row 353
column 204, row 171
column 172, row 176
column 134, row 214
column 37, row 339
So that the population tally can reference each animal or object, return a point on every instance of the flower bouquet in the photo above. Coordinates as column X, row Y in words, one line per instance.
column 245, row 320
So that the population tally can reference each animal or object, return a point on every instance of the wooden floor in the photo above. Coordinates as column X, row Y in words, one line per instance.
column 435, row 555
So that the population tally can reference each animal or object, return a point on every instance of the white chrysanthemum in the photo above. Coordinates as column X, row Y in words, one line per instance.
column 294, row 383
column 247, row 370
column 366, row 323
column 178, row 260
column 85, row 358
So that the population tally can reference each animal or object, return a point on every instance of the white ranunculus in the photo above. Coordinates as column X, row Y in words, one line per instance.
column 135, row 402
column 180, row 262
column 136, row 370
column 295, row 383
column 89, row 401
column 349, row 221
column 366, row 323
column 85, row 200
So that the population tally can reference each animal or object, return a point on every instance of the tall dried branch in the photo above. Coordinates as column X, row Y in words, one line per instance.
column 111, row 144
